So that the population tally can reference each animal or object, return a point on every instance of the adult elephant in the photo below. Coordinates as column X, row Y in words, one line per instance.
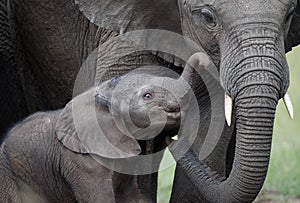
column 10, row 86
column 44, row 43
column 246, row 40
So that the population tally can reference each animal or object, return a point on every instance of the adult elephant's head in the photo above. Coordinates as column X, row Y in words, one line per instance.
column 248, row 41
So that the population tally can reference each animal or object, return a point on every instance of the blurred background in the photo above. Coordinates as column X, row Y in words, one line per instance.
column 282, row 184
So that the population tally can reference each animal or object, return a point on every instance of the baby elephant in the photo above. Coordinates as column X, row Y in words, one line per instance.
column 56, row 156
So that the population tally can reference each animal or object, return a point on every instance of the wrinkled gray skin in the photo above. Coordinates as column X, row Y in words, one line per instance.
column 245, row 39
column 10, row 85
column 46, row 159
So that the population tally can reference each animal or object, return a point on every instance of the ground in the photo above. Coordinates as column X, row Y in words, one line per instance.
column 275, row 197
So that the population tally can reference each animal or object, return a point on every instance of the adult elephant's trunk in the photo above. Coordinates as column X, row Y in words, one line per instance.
column 255, row 74
column 253, row 144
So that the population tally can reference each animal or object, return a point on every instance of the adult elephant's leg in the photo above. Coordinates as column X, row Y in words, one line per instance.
column 12, row 105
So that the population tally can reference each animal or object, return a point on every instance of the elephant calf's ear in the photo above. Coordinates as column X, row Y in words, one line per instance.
column 82, row 129
column 293, row 37
column 66, row 132
column 103, row 100
column 105, row 91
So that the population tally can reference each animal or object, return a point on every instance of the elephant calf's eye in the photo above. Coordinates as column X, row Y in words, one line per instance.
column 148, row 96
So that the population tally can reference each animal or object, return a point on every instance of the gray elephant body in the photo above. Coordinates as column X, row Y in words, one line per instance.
column 54, row 38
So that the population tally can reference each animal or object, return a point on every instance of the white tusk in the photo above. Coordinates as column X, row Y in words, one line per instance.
column 228, row 109
column 288, row 104
column 175, row 138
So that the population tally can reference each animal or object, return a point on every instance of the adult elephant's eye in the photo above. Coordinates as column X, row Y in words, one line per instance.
column 148, row 96
column 207, row 16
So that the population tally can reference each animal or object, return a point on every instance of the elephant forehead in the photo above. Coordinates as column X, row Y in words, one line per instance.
column 137, row 84
column 251, row 5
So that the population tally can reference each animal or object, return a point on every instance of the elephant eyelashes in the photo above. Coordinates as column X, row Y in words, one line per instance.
column 290, row 14
column 288, row 20
column 206, row 15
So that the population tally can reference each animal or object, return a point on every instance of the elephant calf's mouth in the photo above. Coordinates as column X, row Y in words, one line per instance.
column 173, row 117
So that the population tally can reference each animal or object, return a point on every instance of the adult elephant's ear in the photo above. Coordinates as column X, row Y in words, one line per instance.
column 86, row 127
column 128, row 15
column 293, row 38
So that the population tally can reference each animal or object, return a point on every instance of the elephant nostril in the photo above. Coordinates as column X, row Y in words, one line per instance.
column 176, row 109
column 172, row 107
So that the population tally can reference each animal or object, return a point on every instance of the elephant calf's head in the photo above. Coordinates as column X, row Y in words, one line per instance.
column 141, row 104
column 108, row 119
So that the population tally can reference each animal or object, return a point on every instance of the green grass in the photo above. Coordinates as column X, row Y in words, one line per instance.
column 165, row 178
column 284, row 173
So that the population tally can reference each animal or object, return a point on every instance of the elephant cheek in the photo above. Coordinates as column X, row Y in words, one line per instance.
column 139, row 119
